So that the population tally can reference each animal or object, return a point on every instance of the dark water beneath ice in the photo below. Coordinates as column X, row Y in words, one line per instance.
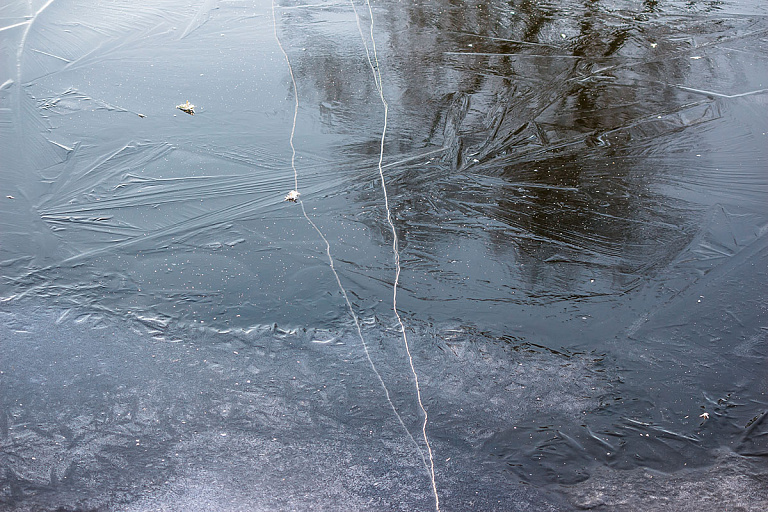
column 579, row 195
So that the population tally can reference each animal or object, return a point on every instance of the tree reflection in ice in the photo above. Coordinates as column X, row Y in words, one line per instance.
column 572, row 228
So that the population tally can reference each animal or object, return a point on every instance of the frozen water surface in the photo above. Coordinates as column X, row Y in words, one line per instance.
column 555, row 300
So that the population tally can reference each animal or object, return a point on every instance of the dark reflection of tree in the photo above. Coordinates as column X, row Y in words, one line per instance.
column 546, row 111
column 333, row 77
column 531, row 107
column 650, row 5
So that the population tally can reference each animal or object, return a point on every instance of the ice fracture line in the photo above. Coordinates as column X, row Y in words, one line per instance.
column 376, row 70
column 325, row 240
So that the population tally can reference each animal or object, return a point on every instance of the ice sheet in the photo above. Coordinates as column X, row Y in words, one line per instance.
column 559, row 208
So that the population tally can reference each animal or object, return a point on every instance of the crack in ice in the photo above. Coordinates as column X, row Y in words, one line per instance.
column 20, row 52
column 376, row 70
column 328, row 245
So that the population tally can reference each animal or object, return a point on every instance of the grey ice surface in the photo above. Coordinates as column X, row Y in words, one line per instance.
column 107, row 415
column 729, row 483
column 104, row 415
column 580, row 200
